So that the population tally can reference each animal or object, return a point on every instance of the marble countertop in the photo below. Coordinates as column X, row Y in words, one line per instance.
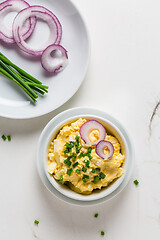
column 123, row 79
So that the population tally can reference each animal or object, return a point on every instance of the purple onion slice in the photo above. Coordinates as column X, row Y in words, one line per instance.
column 43, row 14
column 88, row 127
column 14, row 6
column 57, row 62
column 101, row 146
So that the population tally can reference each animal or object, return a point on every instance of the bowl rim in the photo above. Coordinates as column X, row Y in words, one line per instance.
column 71, row 115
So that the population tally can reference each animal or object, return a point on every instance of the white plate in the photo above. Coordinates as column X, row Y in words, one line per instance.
column 47, row 132
column 13, row 102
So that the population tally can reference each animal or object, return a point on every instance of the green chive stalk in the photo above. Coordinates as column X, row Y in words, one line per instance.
column 21, row 71
column 28, row 83
column 31, row 83
column 12, row 78
column 17, row 77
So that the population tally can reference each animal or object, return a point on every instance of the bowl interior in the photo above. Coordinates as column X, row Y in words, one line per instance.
column 96, row 194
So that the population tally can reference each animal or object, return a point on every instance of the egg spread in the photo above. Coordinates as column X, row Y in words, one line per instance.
column 73, row 163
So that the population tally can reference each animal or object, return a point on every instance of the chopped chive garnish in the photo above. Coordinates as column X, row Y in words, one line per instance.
column 67, row 162
column 89, row 155
column 74, row 155
column 98, row 169
column 4, row 137
column 77, row 137
column 69, row 171
column 78, row 171
column 87, row 163
column 84, row 169
column 96, row 215
column 136, row 182
column 93, row 170
column 36, row 222
column 69, row 145
column 78, row 148
column 89, row 150
column 102, row 233
column 75, row 164
column 84, row 178
column 66, row 151
column 102, row 175
column 61, row 178
column 96, row 178
column 81, row 155
column 9, row 138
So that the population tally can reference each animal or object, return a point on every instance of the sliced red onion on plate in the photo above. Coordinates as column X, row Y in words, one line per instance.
column 14, row 6
column 43, row 14
column 88, row 127
column 54, row 58
column 100, row 149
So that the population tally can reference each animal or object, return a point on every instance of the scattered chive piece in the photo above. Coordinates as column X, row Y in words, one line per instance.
column 87, row 164
column 4, row 137
column 102, row 233
column 78, row 171
column 66, row 151
column 9, row 138
column 86, row 176
column 69, row 145
column 74, row 155
column 69, row 171
column 84, row 169
column 67, row 162
column 96, row 215
column 136, row 182
column 77, row 138
column 75, row 164
column 102, row 175
column 78, row 148
column 36, row 222
column 81, row 155
column 90, row 157
column 98, row 169
column 93, row 170
column 61, row 178
column 89, row 150
column 96, row 178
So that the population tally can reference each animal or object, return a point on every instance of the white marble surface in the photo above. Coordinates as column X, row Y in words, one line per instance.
column 124, row 80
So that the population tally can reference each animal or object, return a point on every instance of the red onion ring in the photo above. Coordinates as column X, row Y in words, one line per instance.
column 89, row 126
column 100, row 149
column 44, row 14
column 14, row 6
column 57, row 63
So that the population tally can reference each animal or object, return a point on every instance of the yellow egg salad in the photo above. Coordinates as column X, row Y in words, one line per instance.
column 72, row 162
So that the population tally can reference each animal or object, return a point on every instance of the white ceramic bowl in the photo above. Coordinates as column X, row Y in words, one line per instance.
column 112, row 126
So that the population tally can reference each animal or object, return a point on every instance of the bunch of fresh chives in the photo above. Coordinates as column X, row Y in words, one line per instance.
column 28, row 83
